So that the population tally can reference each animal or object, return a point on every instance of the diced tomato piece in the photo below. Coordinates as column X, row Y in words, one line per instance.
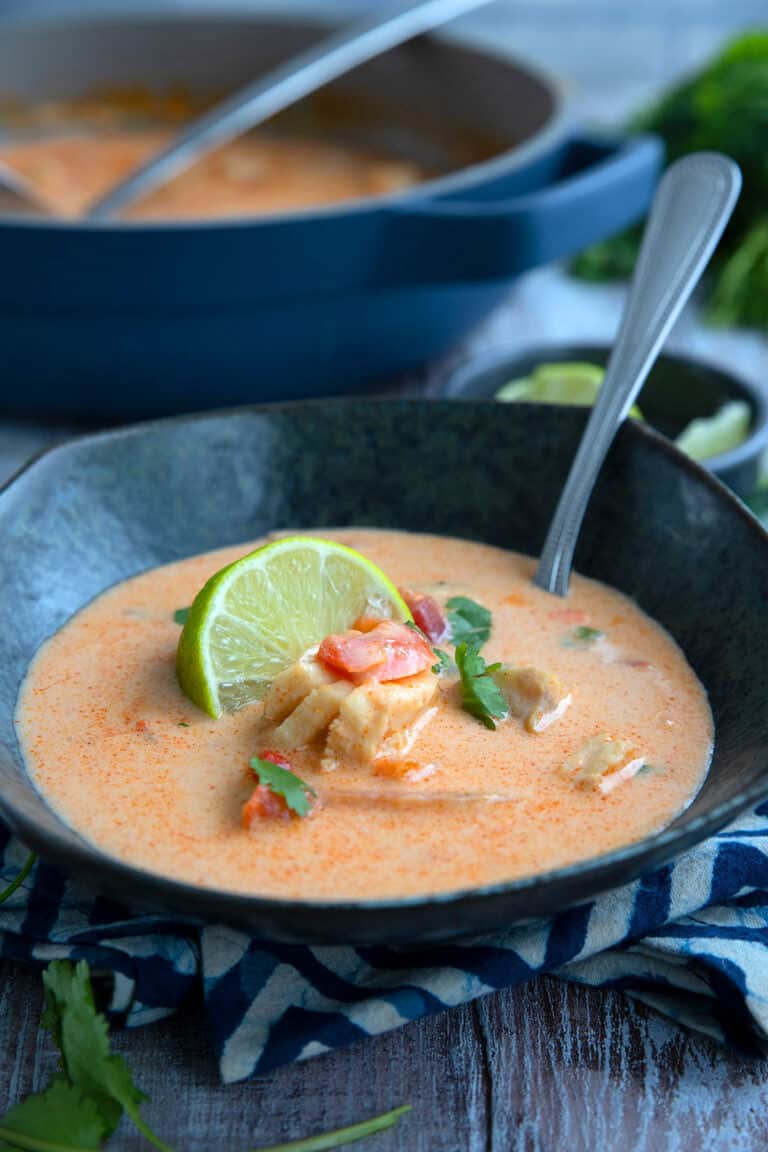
column 264, row 805
column 427, row 614
column 390, row 651
column 275, row 758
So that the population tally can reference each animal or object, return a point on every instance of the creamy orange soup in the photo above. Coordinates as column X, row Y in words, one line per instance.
column 128, row 761
column 258, row 174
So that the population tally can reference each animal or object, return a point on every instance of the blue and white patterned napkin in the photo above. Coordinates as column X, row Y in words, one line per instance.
column 691, row 940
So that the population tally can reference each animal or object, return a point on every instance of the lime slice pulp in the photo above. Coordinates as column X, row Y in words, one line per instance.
column 257, row 616
column 574, row 382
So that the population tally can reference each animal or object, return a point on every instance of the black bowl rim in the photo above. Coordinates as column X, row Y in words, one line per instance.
column 461, row 180
column 233, row 906
column 466, row 372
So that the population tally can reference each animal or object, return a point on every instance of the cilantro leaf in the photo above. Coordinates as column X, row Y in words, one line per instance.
column 180, row 615
column 582, row 637
column 469, row 622
column 82, row 1037
column 61, row 1113
column 480, row 694
column 285, row 783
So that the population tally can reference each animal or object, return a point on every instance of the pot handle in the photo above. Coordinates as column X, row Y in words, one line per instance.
column 600, row 187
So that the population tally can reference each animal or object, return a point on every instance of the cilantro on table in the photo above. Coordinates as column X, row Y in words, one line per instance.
column 469, row 622
column 93, row 1088
column 282, row 782
column 480, row 694
column 82, row 1105
column 180, row 616
column 722, row 108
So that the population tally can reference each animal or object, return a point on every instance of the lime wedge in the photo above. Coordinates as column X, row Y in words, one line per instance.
column 575, row 383
column 710, row 435
column 256, row 617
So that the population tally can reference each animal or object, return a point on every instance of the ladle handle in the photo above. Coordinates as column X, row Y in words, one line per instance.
column 692, row 205
column 300, row 76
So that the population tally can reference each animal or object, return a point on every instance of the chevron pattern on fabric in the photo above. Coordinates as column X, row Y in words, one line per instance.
column 690, row 940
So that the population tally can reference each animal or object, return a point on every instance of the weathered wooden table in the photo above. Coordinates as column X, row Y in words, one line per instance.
column 544, row 1068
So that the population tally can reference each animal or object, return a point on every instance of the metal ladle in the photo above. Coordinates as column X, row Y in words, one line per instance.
column 691, row 208
column 285, row 85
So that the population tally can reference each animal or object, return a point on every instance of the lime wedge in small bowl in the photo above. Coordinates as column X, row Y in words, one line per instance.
column 569, row 383
column 257, row 616
column 710, row 436
column 574, row 382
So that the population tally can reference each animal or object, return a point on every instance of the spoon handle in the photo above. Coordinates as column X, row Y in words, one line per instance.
column 692, row 205
column 321, row 63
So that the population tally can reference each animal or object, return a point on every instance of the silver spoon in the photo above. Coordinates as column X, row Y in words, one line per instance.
column 317, row 66
column 692, row 205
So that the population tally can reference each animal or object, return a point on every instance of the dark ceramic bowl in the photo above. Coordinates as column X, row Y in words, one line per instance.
column 679, row 389
column 659, row 528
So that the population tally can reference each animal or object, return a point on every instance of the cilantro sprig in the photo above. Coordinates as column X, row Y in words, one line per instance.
column 469, row 622
column 480, row 694
column 282, row 782
column 82, row 1105
column 92, row 1087
column 180, row 616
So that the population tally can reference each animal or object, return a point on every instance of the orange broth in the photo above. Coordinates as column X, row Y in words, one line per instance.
column 128, row 761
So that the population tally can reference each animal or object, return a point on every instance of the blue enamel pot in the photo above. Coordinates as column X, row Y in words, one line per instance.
column 133, row 318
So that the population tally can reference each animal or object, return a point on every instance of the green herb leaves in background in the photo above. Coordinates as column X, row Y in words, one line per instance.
column 724, row 108
column 284, row 783
column 180, row 616
column 93, row 1088
column 480, row 694
column 469, row 622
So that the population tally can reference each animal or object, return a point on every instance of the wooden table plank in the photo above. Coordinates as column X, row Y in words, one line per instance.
column 546, row 1067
